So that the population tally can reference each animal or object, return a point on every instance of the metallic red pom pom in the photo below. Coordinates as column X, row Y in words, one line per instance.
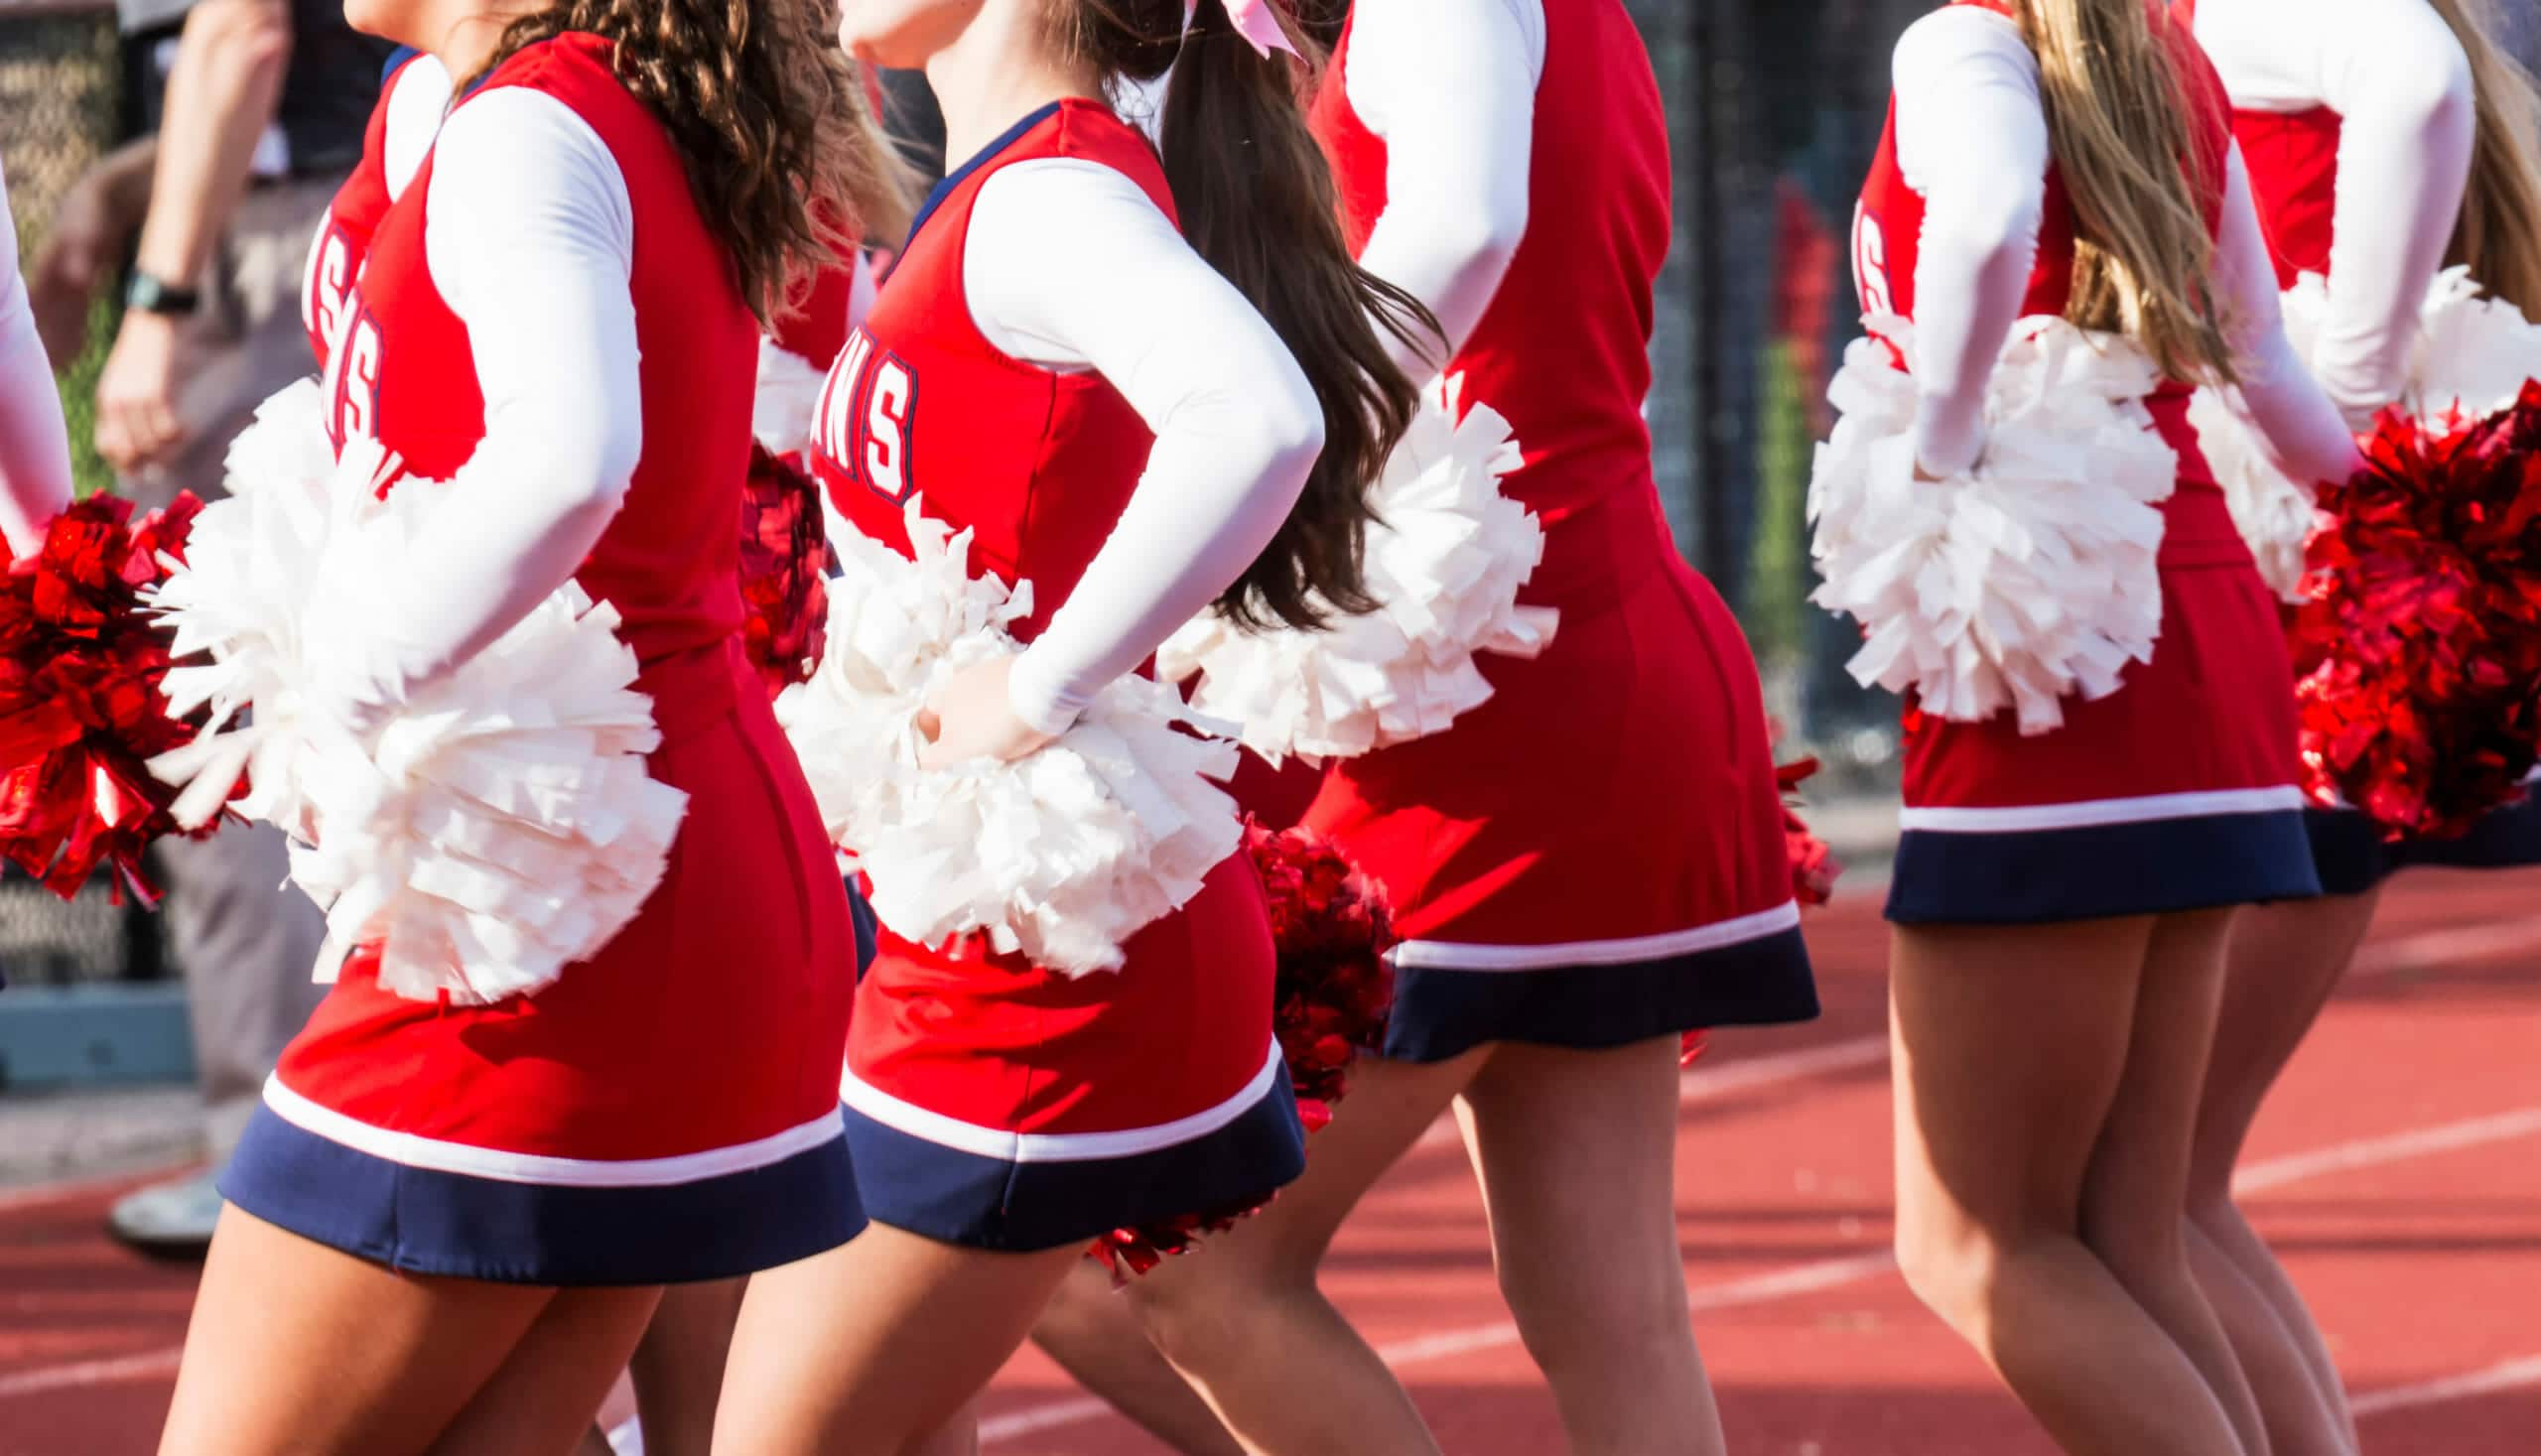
column 80, row 707
column 785, row 595
column 2417, row 652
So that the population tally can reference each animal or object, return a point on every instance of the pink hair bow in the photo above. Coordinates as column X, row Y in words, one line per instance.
column 1254, row 20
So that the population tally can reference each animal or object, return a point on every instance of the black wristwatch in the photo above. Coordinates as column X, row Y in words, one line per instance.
column 149, row 294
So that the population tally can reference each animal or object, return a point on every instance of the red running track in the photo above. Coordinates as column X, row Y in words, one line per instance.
column 2399, row 1169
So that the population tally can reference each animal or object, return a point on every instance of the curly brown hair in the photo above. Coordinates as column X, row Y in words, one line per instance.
column 784, row 156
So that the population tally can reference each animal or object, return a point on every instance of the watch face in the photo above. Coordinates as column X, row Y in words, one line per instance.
column 150, row 295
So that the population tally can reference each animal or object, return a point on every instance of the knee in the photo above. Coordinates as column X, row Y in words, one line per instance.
column 2142, row 1251
column 1201, row 1319
column 1953, row 1265
column 1632, row 1331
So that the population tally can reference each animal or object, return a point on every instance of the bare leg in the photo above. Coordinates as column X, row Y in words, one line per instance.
column 873, row 1345
column 2299, row 1421
column 555, row 1378
column 2010, row 1046
column 1578, row 1148
column 297, row 1346
column 2286, row 962
column 1094, row 1333
column 2135, row 1196
column 679, row 1367
column 1243, row 1318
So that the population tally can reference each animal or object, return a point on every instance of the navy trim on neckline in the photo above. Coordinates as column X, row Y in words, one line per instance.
column 979, row 159
column 396, row 57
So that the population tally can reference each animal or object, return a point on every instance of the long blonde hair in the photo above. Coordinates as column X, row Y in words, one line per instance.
column 2499, row 235
column 2118, row 123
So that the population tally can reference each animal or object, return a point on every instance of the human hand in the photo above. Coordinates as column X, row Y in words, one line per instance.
column 137, row 421
column 971, row 716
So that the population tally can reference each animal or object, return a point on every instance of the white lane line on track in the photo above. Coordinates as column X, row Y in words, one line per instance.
column 148, row 1365
column 2512, row 1374
column 1703, row 1084
column 2373, row 1152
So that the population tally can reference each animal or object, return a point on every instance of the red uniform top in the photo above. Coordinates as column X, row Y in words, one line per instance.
column 1888, row 228
column 335, row 257
column 1563, row 350
column 2293, row 158
column 669, row 558
column 1038, row 463
column 2293, row 161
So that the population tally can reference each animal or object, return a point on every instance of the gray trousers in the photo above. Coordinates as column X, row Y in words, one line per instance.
column 247, row 938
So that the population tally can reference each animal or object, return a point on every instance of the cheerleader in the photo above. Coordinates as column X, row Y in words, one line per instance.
column 35, row 452
column 2387, row 139
column 1055, row 369
column 1585, row 867
column 450, row 1222
column 2061, row 898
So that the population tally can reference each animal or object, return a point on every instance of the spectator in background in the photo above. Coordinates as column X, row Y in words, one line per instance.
column 254, row 110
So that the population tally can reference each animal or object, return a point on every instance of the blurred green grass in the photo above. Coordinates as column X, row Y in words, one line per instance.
column 89, row 473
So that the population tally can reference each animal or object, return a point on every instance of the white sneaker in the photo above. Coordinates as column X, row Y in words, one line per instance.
column 167, row 1217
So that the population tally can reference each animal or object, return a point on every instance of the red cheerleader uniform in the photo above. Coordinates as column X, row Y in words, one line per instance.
column 990, row 1102
column 2174, row 793
column 666, row 1110
column 2292, row 156
column 1593, row 857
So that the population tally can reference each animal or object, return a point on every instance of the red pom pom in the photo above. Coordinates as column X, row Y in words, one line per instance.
column 1813, row 867
column 80, row 709
column 1129, row 1253
column 2418, row 648
column 1333, row 929
column 785, row 595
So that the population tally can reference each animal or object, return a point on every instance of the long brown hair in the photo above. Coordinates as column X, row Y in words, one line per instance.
column 1255, row 200
column 2120, row 128
column 783, row 153
column 2499, row 235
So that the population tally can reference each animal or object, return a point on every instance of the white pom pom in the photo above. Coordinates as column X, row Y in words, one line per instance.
column 2274, row 513
column 2034, row 577
column 2475, row 353
column 238, row 606
column 1061, row 855
column 789, row 395
column 499, row 827
column 1446, row 561
column 284, row 448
